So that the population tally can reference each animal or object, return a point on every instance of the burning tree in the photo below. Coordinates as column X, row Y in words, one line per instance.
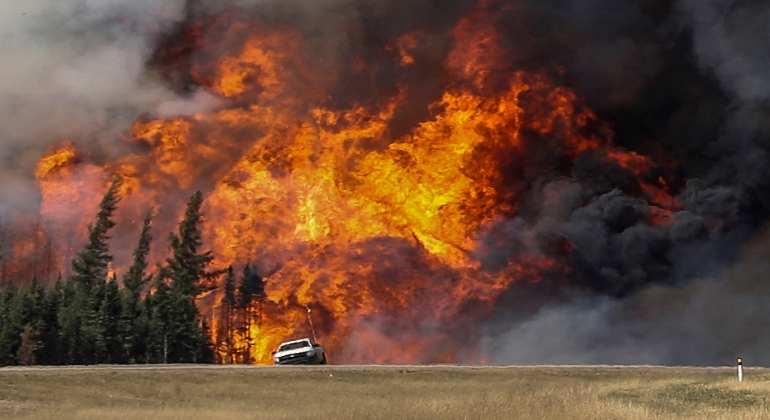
column 402, row 186
column 242, row 311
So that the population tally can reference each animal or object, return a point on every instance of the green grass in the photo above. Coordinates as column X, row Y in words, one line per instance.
column 387, row 392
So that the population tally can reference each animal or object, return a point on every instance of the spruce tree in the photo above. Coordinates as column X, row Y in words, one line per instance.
column 110, row 340
column 229, row 304
column 81, row 319
column 49, row 350
column 92, row 263
column 188, row 267
column 161, row 323
column 70, row 324
column 252, row 287
column 11, row 320
column 251, row 292
column 188, row 275
column 34, row 300
column 19, row 312
column 135, row 322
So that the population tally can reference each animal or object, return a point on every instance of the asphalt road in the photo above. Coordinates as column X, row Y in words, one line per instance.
column 10, row 369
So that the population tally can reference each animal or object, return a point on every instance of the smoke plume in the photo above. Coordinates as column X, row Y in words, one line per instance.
column 644, row 233
column 684, row 80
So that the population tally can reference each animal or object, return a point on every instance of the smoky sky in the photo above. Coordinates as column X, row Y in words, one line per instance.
column 708, row 321
column 685, row 82
column 75, row 70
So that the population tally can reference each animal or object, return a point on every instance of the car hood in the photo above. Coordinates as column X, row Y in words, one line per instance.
column 294, row 351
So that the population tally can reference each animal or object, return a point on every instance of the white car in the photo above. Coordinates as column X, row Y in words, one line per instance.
column 299, row 352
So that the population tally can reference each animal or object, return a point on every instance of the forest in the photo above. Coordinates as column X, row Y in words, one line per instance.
column 147, row 316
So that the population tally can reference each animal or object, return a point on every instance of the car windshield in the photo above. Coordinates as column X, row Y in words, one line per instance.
column 293, row 346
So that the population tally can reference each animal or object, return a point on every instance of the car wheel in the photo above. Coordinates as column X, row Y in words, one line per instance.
column 323, row 359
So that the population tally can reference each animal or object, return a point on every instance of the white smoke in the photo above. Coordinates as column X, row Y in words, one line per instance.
column 77, row 69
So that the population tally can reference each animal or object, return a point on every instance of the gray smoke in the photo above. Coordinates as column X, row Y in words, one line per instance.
column 686, row 82
column 710, row 321
column 682, row 293
column 77, row 70
column 730, row 38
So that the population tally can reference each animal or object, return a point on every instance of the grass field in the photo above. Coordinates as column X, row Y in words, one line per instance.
column 383, row 392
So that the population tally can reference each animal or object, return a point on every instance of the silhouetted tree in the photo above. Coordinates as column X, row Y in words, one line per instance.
column 48, row 352
column 251, row 292
column 229, row 305
column 11, row 325
column 188, row 275
column 80, row 319
column 160, row 322
column 109, row 317
column 135, row 320
column 89, row 319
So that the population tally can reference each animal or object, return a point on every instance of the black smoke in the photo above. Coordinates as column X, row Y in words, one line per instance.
column 684, row 82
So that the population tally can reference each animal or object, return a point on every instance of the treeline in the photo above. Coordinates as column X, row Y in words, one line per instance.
column 241, row 309
column 89, row 318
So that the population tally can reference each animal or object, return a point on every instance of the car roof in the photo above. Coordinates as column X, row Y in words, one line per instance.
column 296, row 341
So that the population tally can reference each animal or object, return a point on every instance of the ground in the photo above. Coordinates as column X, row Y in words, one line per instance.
column 383, row 392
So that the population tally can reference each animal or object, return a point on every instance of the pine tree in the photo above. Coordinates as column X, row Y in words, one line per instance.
column 204, row 352
column 70, row 323
column 19, row 311
column 252, row 293
column 137, row 277
column 160, row 322
column 135, row 322
column 34, row 299
column 229, row 304
column 110, row 339
column 81, row 317
column 49, row 350
column 12, row 326
column 188, row 276
column 187, row 267
column 92, row 263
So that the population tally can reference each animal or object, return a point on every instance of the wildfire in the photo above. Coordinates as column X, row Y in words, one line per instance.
column 375, row 233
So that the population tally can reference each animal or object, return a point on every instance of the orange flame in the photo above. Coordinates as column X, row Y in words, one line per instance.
column 376, row 234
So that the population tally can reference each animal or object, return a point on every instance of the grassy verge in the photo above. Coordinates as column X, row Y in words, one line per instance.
column 392, row 392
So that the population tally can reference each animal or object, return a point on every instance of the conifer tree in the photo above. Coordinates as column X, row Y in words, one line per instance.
column 188, row 267
column 177, row 332
column 110, row 339
column 160, row 322
column 34, row 301
column 49, row 350
column 229, row 304
column 135, row 322
column 11, row 326
column 81, row 318
column 18, row 312
column 91, row 264
column 251, row 292
column 188, row 276
column 70, row 324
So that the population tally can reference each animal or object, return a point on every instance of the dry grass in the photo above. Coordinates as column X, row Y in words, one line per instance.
column 393, row 392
